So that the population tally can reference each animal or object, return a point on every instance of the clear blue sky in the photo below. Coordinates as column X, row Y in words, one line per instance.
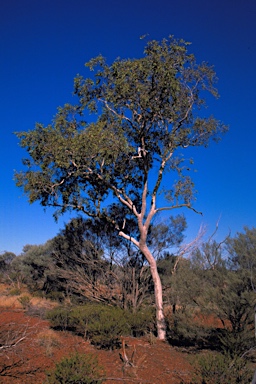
column 44, row 44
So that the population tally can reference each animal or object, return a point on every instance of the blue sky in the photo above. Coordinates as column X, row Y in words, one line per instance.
column 44, row 44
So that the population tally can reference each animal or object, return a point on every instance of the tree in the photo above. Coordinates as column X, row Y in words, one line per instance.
column 32, row 266
column 242, row 253
column 225, row 270
column 147, row 111
column 6, row 259
column 80, row 267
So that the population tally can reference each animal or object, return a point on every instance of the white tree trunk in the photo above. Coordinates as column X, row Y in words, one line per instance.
column 160, row 318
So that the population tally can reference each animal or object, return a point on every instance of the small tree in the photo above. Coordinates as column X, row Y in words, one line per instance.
column 242, row 254
column 79, row 266
column 6, row 258
column 32, row 266
column 147, row 111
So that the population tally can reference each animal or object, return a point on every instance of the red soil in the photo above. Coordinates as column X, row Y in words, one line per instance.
column 38, row 348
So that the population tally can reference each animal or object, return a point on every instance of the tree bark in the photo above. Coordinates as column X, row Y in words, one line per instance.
column 160, row 318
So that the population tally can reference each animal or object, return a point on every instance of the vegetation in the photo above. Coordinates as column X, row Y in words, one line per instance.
column 219, row 369
column 101, row 324
column 216, row 282
column 110, row 271
column 144, row 113
column 76, row 369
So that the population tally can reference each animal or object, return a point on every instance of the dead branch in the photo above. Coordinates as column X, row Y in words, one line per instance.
column 12, row 334
column 187, row 249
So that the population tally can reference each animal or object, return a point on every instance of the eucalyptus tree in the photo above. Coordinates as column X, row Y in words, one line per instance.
column 142, row 113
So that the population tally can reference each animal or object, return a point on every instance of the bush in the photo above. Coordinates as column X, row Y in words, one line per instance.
column 25, row 301
column 236, row 343
column 60, row 318
column 142, row 322
column 76, row 369
column 101, row 324
column 182, row 330
column 221, row 369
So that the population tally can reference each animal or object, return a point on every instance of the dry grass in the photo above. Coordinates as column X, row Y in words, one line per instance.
column 12, row 298
column 49, row 340
column 10, row 302
column 43, row 303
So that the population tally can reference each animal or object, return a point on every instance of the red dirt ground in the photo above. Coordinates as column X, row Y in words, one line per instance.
column 38, row 348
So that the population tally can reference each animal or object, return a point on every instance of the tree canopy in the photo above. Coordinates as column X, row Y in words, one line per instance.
column 146, row 109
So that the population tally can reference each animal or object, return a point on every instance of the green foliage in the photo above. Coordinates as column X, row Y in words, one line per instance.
column 216, row 287
column 6, row 259
column 76, row 369
column 33, row 266
column 60, row 317
column 183, row 330
column 167, row 234
column 144, row 113
column 220, row 369
column 242, row 254
column 141, row 322
column 236, row 304
column 153, row 103
column 102, row 325
column 183, row 283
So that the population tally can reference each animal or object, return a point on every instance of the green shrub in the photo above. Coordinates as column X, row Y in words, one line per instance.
column 220, row 369
column 142, row 322
column 183, row 330
column 59, row 318
column 76, row 369
column 236, row 343
column 101, row 324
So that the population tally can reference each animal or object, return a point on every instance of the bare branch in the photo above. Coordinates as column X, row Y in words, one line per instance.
column 178, row 206
column 187, row 249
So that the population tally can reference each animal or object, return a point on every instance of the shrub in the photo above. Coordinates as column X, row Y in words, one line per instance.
column 182, row 329
column 236, row 343
column 60, row 318
column 101, row 324
column 36, row 310
column 142, row 322
column 25, row 301
column 218, row 368
column 56, row 296
column 76, row 369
